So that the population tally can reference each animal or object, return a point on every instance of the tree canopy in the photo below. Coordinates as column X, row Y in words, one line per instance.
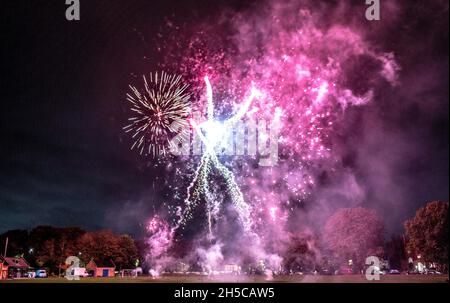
column 351, row 233
column 427, row 233
column 48, row 247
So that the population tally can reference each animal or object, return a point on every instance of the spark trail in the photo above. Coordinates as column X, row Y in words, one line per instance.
column 211, row 132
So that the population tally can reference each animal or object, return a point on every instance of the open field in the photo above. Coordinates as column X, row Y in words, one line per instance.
column 247, row 279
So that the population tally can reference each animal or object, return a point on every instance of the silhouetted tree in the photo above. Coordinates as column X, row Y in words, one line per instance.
column 396, row 253
column 127, row 254
column 17, row 242
column 142, row 250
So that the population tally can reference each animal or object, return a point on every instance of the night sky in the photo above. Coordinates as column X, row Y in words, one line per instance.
column 66, row 162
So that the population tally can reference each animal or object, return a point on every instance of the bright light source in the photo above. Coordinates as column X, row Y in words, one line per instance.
column 214, row 131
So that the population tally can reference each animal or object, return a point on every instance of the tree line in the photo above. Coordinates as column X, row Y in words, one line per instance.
column 48, row 247
column 356, row 233
column 349, row 234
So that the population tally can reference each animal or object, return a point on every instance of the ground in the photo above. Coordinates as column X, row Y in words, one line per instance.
column 247, row 279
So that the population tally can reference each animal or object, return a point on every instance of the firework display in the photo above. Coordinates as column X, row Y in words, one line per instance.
column 199, row 185
column 184, row 143
column 299, row 92
column 159, row 112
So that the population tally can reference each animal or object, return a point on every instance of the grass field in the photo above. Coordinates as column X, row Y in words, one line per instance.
column 247, row 279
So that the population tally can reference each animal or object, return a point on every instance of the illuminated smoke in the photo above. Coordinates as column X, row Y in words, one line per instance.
column 310, row 72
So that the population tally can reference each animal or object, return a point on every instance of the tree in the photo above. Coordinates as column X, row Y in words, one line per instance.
column 42, row 239
column 17, row 242
column 128, row 253
column 427, row 233
column 52, row 245
column 143, row 249
column 104, row 247
column 301, row 253
column 351, row 233
column 396, row 254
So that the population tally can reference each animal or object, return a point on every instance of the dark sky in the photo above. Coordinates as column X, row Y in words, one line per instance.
column 63, row 91
column 64, row 159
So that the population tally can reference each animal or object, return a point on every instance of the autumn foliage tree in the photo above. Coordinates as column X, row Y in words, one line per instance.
column 52, row 245
column 48, row 247
column 352, row 233
column 427, row 233
column 104, row 247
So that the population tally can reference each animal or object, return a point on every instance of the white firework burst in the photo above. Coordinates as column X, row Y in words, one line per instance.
column 160, row 112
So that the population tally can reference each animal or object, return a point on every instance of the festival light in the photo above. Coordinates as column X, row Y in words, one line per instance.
column 159, row 111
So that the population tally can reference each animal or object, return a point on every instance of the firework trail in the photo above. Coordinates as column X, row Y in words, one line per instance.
column 160, row 114
column 211, row 133
column 159, row 242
